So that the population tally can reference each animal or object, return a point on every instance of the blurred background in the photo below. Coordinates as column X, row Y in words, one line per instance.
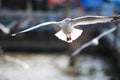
column 39, row 55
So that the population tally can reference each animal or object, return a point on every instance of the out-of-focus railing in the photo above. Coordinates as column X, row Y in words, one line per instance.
column 37, row 40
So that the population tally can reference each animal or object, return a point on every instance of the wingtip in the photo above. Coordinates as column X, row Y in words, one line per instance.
column 73, row 54
column 13, row 35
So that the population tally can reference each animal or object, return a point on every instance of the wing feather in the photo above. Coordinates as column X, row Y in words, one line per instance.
column 86, row 20
column 37, row 26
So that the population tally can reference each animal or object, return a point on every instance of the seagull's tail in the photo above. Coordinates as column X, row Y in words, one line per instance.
column 61, row 35
column 76, row 33
column 69, row 37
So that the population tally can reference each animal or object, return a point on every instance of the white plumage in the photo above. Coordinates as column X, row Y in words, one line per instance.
column 4, row 29
column 68, row 33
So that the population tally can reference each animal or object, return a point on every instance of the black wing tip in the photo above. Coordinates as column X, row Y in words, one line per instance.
column 115, row 18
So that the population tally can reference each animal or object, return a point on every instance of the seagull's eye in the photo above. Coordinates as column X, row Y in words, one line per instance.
column 67, row 20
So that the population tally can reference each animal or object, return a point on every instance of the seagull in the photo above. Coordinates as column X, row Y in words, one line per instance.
column 4, row 29
column 94, row 41
column 7, row 29
column 68, row 32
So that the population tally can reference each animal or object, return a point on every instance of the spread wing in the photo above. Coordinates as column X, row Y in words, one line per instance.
column 86, row 20
column 37, row 26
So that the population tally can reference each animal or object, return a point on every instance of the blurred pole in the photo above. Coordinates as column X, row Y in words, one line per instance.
column 0, row 4
column 67, row 14
column 24, row 24
column 116, row 36
column 29, row 6
column 12, row 24
column 1, row 50
column 67, row 8
column 113, row 7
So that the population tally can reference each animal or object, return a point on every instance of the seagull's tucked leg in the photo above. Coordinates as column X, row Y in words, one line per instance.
column 68, row 37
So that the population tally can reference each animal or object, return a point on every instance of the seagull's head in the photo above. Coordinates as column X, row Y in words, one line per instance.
column 65, row 23
column 67, row 20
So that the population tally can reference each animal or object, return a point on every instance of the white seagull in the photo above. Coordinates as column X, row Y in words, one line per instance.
column 7, row 29
column 94, row 41
column 68, row 33
column 4, row 29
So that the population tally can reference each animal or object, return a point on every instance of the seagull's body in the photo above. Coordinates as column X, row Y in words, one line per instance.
column 68, row 33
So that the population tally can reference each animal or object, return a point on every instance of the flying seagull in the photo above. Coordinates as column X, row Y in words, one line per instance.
column 68, row 33
column 4, row 29
column 7, row 29
column 94, row 41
